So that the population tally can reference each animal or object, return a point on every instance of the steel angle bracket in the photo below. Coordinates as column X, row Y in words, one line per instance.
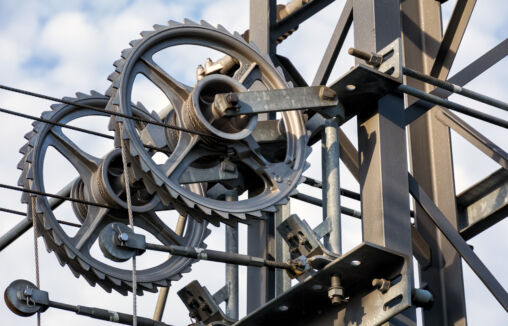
column 365, row 84
column 307, row 303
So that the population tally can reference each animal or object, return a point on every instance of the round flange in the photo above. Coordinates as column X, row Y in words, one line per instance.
column 109, row 242
column 17, row 302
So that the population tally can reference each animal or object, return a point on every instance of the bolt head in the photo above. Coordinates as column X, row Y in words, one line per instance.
column 123, row 237
column 335, row 292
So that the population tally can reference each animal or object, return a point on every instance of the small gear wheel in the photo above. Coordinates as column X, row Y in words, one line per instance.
column 100, row 181
column 225, row 153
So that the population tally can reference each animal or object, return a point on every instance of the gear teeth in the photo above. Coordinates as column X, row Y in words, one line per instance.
column 270, row 209
column 56, row 238
column 94, row 93
column 83, row 264
column 23, row 151
column 205, row 209
column 147, row 286
column 126, row 53
column 187, row 21
column 99, row 274
column 56, row 106
column 110, row 92
column 140, row 106
column 106, row 288
column 189, row 203
column 223, row 29
column 146, row 33
column 113, row 76
column 29, row 135
column 206, row 24
column 173, row 23
column 81, row 95
column 114, row 280
column 135, row 43
column 73, row 270
column 257, row 214
column 69, row 253
column 294, row 192
column 60, row 261
column 240, row 216
column 224, row 215
column 88, row 280
column 159, row 28
column 119, row 64
column 29, row 157
column 178, row 277
column 172, row 192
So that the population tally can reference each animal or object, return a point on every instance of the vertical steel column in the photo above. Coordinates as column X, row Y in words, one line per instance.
column 431, row 160
column 232, row 270
column 282, row 280
column 261, row 281
column 331, row 183
column 382, row 144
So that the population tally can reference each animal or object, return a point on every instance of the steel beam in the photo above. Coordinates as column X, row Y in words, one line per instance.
column 260, row 234
column 484, row 204
column 452, row 38
column 282, row 280
column 335, row 45
column 473, row 70
column 431, row 162
column 465, row 251
column 232, row 271
column 297, row 17
column 382, row 145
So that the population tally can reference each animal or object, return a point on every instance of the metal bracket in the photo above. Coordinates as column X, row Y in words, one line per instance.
column 317, row 98
column 221, row 295
column 365, row 84
column 202, row 305
column 308, row 302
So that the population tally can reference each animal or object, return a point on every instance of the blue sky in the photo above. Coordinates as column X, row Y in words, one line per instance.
column 60, row 47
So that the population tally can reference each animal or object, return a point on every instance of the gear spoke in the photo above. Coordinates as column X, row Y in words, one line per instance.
column 175, row 91
column 247, row 74
column 152, row 223
column 90, row 229
column 85, row 163
column 186, row 143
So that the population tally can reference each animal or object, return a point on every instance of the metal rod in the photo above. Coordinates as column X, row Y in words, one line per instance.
column 331, row 184
column 452, row 105
column 455, row 88
column 107, row 315
column 319, row 202
column 344, row 192
column 232, row 303
column 26, row 224
column 89, row 107
column 63, row 198
column 54, row 123
column 218, row 256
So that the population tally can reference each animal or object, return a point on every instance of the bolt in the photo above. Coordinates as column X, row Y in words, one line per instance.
column 232, row 99
column 326, row 93
column 278, row 178
column 123, row 237
column 373, row 59
column 381, row 284
column 336, row 291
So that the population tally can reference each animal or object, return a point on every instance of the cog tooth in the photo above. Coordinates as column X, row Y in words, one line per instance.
column 162, row 283
column 175, row 278
column 56, row 238
column 73, row 270
column 158, row 27
column 126, row 53
column 140, row 106
column 29, row 157
column 187, row 21
column 89, row 280
column 98, row 273
column 135, row 43
column 29, row 135
column 113, row 76
column 146, row 33
column 173, row 23
column 223, row 29
column 224, row 215
column 69, row 253
column 257, row 214
column 81, row 95
column 119, row 64
column 83, row 264
column 158, row 181
column 206, row 24
column 283, row 201
column 110, row 91
column 189, row 203
column 147, row 286
column 24, row 149
column 172, row 192
column 270, row 209
column 60, row 261
column 294, row 192
column 122, row 291
column 114, row 280
column 306, row 166
column 205, row 209
column 240, row 216
column 104, row 287
column 30, row 173
column 96, row 94
column 56, row 106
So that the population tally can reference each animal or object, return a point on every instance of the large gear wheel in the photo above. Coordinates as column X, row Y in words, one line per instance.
column 268, row 176
column 100, row 180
